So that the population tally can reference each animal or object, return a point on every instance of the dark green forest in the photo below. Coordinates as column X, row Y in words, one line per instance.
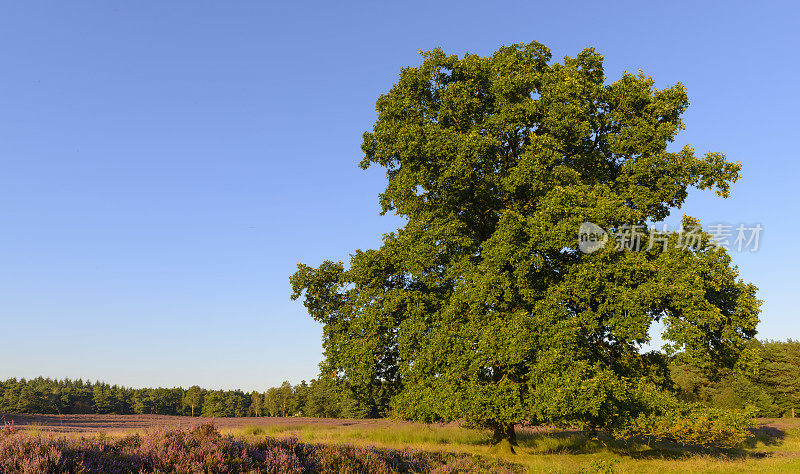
column 773, row 390
column 319, row 398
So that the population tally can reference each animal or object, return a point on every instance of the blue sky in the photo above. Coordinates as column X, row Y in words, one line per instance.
column 165, row 165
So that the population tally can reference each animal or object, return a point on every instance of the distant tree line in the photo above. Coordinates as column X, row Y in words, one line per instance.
column 319, row 398
column 773, row 389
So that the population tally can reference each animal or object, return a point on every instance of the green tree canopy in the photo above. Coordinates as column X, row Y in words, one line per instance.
column 193, row 398
column 481, row 307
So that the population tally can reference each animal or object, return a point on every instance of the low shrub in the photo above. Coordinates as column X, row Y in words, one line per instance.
column 204, row 449
column 694, row 425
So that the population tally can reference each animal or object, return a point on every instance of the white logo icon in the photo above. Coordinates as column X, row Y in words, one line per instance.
column 591, row 237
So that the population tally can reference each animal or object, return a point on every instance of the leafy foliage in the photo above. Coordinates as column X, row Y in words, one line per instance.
column 481, row 308
column 690, row 424
column 771, row 387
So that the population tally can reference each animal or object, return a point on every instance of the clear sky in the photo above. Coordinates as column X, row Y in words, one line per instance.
column 165, row 165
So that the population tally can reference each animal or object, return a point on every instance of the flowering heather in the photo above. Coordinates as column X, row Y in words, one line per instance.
column 204, row 449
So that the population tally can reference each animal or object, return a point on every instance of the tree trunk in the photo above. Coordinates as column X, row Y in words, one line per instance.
column 504, row 438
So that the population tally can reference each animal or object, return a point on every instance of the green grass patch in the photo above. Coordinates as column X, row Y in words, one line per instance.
column 773, row 448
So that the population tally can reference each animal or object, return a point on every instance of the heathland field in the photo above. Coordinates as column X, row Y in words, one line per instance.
column 269, row 444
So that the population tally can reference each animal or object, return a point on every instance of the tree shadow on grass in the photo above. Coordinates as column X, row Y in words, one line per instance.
column 578, row 442
column 639, row 449
column 766, row 435
column 559, row 442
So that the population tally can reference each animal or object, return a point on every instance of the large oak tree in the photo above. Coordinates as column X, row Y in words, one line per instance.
column 482, row 308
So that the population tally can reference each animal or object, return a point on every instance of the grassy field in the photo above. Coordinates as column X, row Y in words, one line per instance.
column 774, row 448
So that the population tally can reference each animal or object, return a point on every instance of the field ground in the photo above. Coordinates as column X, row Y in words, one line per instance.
column 775, row 447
